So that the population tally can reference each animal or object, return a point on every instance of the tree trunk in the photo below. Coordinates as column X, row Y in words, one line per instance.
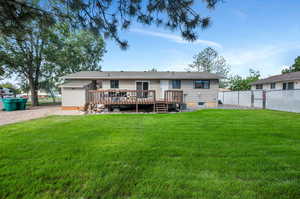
column 33, row 92
column 52, row 95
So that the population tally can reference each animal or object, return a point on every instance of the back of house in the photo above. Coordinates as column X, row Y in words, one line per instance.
column 193, row 90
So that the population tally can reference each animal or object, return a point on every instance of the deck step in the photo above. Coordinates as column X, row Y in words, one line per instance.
column 161, row 107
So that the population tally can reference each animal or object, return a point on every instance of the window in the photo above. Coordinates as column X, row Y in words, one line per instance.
column 259, row 86
column 284, row 86
column 99, row 84
column 290, row 85
column 176, row 84
column 202, row 84
column 273, row 85
column 114, row 83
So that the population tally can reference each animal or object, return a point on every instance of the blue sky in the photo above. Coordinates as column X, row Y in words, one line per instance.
column 258, row 34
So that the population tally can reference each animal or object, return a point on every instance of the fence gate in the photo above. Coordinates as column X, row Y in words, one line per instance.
column 258, row 99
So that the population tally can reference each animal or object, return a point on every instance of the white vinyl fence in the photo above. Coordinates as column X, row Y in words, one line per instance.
column 283, row 100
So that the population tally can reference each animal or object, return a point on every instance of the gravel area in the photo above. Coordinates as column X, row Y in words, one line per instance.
column 33, row 113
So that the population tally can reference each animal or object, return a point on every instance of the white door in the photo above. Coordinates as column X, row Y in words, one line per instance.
column 164, row 85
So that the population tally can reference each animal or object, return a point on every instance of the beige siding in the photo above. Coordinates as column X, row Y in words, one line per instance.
column 193, row 96
column 155, row 85
column 73, row 97
column 123, row 84
column 297, row 84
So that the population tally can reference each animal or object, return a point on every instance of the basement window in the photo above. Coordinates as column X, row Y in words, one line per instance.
column 201, row 103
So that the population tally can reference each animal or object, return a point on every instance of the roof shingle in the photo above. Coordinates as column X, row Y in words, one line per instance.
column 279, row 78
column 75, row 84
column 141, row 75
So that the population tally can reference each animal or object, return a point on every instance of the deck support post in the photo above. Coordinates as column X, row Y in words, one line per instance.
column 136, row 107
column 154, row 107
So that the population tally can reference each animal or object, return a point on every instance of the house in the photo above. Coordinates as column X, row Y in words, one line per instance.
column 288, row 81
column 6, row 92
column 187, row 89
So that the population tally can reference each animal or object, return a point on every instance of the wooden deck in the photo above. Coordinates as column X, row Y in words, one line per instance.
column 130, row 97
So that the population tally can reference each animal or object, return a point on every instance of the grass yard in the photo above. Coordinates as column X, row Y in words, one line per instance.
column 207, row 155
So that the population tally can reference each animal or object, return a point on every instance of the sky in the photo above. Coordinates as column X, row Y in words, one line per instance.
column 260, row 34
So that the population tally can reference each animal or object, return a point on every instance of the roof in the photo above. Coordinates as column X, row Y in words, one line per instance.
column 141, row 75
column 279, row 78
column 75, row 84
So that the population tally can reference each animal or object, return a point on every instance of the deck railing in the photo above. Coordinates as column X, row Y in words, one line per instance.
column 116, row 96
column 121, row 96
column 174, row 96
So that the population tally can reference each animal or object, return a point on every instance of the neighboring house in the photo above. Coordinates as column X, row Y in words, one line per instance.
column 194, row 89
column 6, row 92
column 288, row 81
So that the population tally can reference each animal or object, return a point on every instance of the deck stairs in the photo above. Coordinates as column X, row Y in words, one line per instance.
column 161, row 107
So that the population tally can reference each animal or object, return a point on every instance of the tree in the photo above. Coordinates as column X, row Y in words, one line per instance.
column 294, row 68
column 44, row 54
column 153, row 69
column 23, row 54
column 208, row 60
column 237, row 83
column 1, row 72
column 108, row 17
column 72, row 52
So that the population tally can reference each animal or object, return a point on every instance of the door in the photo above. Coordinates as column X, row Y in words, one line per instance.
column 164, row 85
column 142, row 86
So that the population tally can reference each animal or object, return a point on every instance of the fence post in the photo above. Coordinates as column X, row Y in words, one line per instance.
column 264, row 99
column 252, row 98
column 223, row 97
column 238, row 97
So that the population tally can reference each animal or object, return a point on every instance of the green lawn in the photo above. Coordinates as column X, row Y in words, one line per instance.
column 207, row 155
column 46, row 101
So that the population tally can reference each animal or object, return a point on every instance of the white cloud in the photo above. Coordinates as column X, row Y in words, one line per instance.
column 268, row 59
column 176, row 38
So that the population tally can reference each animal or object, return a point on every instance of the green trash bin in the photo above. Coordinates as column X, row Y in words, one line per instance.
column 1, row 105
column 21, row 103
column 10, row 104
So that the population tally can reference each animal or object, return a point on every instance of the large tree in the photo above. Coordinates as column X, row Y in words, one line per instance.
column 294, row 68
column 22, row 54
column 107, row 17
column 43, row 54
column 72, row 52
column 238, row 83
column 208, row 60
